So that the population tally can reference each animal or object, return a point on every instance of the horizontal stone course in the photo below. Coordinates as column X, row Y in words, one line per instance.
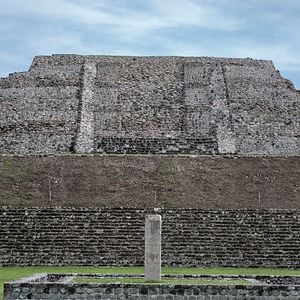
column 156, row 145
column 78, row 236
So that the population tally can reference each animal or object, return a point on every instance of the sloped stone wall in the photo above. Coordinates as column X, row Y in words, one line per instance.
column 190, row 237
column 39, row 110
column 116, row 104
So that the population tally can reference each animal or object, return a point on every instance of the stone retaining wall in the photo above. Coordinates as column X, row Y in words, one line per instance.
column 190, row 237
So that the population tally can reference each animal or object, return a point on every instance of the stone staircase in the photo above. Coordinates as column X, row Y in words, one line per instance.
column 191, row 237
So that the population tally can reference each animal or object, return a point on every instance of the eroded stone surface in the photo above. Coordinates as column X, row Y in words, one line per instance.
column 153, row 247
column 115, row 104
column 52, row 288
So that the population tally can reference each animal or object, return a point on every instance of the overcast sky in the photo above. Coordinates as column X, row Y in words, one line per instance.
column 264, row 29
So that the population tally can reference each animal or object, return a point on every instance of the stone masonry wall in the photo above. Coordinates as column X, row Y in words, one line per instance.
column 190, row 237
column 116, row 104
column 34, row 290
column 39, row 108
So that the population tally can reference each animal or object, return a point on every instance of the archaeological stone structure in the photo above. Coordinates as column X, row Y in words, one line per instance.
column 58, row 286
column 141, row 105
column 190, row 237
column 153, row 247
column 222, row 138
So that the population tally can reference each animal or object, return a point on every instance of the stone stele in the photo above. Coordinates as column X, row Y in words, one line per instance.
column 149, row 105
column 153, row 247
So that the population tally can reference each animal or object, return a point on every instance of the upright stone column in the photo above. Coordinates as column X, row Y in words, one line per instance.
column 153, row 247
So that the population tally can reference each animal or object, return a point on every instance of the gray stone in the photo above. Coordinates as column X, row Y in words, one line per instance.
column 286, row 290
column 189, row 237
column 153, row 247
column 184, row 105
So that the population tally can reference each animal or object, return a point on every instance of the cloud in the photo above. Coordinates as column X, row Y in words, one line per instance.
column 284, row 56
column 129, row 21
column 267, row 30
column 56, row 9
column 195, row 13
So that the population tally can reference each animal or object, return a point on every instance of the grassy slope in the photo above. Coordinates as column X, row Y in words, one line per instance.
column 162, row 281
column 157, row 181
column 11, row 273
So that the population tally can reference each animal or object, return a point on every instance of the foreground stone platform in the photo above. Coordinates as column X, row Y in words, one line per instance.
column 141, row 105
column 59, row 286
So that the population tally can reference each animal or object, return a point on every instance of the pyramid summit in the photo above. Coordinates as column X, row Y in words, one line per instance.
column 141, row 105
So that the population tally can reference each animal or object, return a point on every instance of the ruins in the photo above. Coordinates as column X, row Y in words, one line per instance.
column 153, row 247
column 141, row 105
column 222, row 142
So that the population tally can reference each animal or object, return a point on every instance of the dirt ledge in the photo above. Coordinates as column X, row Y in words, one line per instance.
column 154, row 181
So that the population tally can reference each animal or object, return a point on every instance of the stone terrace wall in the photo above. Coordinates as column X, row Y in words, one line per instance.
column 116, row 104
column 56, row 236
column 52, row 291
column 39, row 109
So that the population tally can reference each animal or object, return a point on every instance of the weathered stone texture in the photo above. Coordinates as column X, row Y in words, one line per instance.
column 38, row 110
column 62, row 236
column 85, row 134
column 52, row 286
column 120, row 104
column 153, row 247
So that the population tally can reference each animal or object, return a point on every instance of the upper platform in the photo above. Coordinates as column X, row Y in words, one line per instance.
column 141, row 105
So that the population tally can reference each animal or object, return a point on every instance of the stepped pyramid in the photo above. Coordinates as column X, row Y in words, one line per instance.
column 141, row 105
column 213, row 145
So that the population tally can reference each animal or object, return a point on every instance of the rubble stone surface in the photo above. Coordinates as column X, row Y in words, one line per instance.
column 119, row 104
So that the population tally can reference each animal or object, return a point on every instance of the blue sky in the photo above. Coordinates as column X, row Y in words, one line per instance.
column 264, row 29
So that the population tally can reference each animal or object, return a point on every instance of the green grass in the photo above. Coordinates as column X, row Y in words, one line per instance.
column 12, row 273
column 162, row 281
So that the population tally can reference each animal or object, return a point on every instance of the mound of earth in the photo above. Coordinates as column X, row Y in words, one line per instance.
column 150, row 181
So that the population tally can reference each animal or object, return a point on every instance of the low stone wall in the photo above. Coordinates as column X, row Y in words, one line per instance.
column 35, row 288
column 190, row 237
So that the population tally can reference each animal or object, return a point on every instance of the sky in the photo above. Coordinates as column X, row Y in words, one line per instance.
column 262, row 29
